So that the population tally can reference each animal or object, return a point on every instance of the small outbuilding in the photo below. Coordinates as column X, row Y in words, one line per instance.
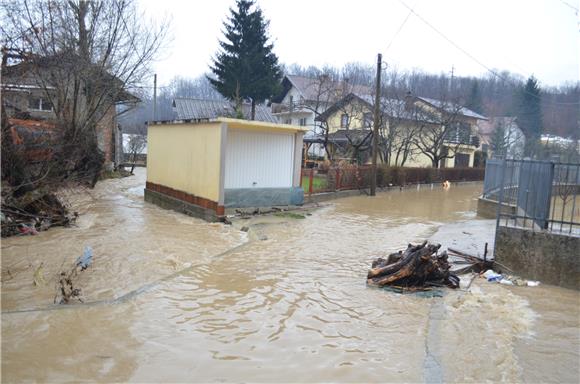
column 202, row 168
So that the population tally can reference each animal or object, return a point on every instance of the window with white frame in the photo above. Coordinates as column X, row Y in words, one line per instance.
column 302, row 122
column 288, row 121
column 39, row 104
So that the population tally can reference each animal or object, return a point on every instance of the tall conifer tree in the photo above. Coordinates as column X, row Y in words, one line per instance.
column 245, row 66
column 529, row 114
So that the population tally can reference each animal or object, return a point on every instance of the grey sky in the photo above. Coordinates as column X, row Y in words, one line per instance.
column 525, row 37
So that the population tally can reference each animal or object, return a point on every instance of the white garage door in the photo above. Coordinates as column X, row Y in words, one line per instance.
column 259, row 160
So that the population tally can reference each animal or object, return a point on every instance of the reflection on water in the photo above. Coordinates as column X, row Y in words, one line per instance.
column 292, row 308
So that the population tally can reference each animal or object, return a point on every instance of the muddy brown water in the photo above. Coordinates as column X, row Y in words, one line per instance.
column 286, row 302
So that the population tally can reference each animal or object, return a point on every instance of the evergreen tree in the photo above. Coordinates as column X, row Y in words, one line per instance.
column 498, row 142
column 245, row 66
column 529, row 114
column 474, row 101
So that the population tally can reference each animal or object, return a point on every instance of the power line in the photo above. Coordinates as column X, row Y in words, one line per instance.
column 470, row 55
column 570, row 5
column 398, row 30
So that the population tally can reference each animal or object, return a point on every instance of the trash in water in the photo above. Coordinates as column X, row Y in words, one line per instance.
column 86, row 259
column 27, row 229
column 494, row 277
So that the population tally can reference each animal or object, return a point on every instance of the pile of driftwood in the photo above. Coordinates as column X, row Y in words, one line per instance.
column 34, row 212
column 419, row 267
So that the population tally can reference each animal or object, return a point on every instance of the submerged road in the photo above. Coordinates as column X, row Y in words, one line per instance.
column 286, row 302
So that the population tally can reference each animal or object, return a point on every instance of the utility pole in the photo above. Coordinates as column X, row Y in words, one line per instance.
column 376, row 126
column 154, row 97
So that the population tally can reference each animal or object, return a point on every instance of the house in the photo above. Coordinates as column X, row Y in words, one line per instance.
column 304, row 98
column 513, row 137
column 204, row 109
column 27, row 93
column 407, row 127
column 203, row 167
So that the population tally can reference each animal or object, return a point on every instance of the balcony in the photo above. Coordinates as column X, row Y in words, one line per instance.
column 461, row 134
column 288, row 108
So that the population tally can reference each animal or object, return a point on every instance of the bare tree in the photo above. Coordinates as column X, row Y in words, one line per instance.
column 135, row 146
column 442, row 132
column 85, row 56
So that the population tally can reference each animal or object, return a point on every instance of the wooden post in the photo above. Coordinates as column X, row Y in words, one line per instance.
column 485, row 254
column 311, row 179
column 337, row 187
column 301, row 174
column 376, row 126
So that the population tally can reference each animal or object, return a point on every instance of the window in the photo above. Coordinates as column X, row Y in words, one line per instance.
column 303, row 122
column 344, row 120
column 288, row 121
column 39, row 104
column 291, row 100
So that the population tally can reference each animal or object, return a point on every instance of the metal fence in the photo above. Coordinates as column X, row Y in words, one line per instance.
column 544, row 195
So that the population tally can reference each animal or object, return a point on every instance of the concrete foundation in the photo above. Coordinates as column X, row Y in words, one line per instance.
column 263, row 197
column 181, row 206
column 487, row 209
column 539, row 255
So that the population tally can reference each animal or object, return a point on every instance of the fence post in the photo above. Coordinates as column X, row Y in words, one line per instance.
column 337, row 186
column 301, row 174
column 311, row 179
column 546, row 217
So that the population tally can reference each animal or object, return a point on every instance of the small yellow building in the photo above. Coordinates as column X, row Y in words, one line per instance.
column 204, row 167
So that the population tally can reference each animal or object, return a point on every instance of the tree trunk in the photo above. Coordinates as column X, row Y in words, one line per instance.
column 253, row 117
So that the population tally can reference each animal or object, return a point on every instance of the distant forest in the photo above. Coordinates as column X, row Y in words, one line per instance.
column 496, row 94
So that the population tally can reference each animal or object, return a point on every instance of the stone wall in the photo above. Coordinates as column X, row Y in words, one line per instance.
column 540, row 255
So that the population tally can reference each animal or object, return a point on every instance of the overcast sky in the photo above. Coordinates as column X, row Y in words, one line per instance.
column 526, row 37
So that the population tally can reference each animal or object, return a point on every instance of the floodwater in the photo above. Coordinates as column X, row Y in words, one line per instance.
column 173, row 299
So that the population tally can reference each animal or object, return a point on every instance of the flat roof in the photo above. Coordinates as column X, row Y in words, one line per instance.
column 237, row 124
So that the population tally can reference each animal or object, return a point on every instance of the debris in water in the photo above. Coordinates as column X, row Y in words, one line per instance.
column 245, row 228
column 475, row 263
column 65, row 288
column 494, row 277
column 27, row 229
column 86, row 259
column 417, row 268
column 490, row 275
column 39, row 276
